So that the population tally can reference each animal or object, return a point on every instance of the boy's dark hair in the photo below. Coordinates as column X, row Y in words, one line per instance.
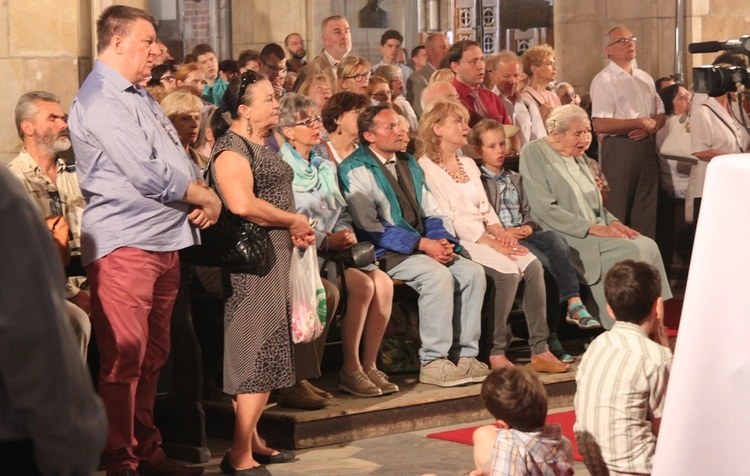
column 416, row 49
column 247, row 56
column 229, row 66
column 515, row 395
column 338, row 105
column 271, row 49
column 391, row 35
column 475, row 135
column 456, row 51
column 367, row 119
column 631, row 288
column 202, row 49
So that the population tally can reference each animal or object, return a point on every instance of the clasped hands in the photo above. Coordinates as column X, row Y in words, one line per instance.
column 207, row 213
column 440, row 250
column 648, row 127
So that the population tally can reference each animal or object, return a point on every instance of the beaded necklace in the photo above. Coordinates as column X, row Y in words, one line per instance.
column 460, row 176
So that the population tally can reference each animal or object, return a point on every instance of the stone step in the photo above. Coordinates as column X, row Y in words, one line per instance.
column 347, row 418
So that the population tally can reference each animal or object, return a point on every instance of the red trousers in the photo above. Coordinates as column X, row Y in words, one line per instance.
column 132, row 295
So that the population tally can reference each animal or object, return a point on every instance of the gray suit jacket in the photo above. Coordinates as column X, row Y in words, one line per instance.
column 416, row 84
column 319, row 65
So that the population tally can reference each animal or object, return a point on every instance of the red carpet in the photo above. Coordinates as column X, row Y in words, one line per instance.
column 564, row 419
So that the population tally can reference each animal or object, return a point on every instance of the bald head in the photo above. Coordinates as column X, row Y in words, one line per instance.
column 438, row 89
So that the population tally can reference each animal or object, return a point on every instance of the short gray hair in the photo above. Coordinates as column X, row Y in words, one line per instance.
column 607, row 38
column 294, row 107
column 26, row 108
column 504, row 56
column 563, row 117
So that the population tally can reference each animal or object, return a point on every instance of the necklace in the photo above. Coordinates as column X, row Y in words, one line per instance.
column 458, row 177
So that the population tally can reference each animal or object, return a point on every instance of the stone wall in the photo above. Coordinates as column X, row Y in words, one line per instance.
column 44, row 45
column 581, row 24
column 196, row 24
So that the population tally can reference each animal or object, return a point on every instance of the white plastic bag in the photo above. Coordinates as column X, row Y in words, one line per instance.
column 308, row 297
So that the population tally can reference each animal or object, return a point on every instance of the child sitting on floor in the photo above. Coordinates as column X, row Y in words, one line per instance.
column 622, row 379
column 519, row 443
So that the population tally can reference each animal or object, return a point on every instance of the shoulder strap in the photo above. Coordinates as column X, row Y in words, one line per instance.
column 736, row 139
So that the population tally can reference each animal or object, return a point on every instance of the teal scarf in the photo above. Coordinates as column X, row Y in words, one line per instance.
column 309, row 175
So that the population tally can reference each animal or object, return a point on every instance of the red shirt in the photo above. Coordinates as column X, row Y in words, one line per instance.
column 491, row 102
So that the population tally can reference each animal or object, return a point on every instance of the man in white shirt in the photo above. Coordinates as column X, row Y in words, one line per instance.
column 390, row 45
column 627, row 112
column 505, row 70
column 436, row 47
column 337, row 43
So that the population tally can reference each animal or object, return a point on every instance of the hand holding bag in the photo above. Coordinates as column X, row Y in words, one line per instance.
column 308, row 296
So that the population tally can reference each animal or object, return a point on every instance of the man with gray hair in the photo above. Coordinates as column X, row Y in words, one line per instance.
column 505, row 70
column 53, row 187
column 337, row 43
column 145, row 201
column 628, row 112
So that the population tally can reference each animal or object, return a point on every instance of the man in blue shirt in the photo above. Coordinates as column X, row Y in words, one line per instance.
column 145, row 201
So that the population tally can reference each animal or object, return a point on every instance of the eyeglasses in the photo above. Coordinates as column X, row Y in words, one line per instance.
column 248, row 77
column 274, row 68
column 309, row 122
column 624, row 41
column 360, row 77
column 169, row 79
column 683, row 97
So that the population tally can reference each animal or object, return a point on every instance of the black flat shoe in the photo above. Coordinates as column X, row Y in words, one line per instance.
column 227, row 468
column 283, row 457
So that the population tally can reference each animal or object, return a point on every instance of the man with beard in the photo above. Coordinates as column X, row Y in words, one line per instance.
column 505, row 69
column 53, row 187
column 295, row 45
column 337, row 43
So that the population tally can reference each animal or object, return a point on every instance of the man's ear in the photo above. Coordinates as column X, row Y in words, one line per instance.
column 611, row 313
column 452, row 67
column 369, row 137
column 27, row 127
column 657, row 309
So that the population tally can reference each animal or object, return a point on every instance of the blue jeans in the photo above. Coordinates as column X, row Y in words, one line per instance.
column 450, row 303
column 553, row 251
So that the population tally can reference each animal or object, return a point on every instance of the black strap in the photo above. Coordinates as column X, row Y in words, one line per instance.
column 736, row 139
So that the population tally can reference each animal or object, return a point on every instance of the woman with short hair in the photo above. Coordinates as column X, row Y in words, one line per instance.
column 353, row 73
column 184, row 109
column 395, row 78
column 340, row 115
column 564, row 197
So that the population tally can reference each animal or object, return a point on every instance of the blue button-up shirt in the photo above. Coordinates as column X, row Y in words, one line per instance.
column 132, row 170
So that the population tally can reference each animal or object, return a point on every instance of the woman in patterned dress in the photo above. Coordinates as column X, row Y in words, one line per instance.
column 256, row 184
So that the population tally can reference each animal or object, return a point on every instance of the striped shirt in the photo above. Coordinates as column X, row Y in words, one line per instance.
column 539, row 453
column 622, row 381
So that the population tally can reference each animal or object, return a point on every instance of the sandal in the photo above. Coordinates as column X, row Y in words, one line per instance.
column 557, row 350
column 585, row 320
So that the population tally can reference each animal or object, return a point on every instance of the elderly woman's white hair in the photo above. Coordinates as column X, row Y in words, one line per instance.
column 563, row 117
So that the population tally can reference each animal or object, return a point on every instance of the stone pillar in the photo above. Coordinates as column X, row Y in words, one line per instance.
column 44, row 45
column 580, row 26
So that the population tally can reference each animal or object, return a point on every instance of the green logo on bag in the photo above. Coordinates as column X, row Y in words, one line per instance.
column 320, row 296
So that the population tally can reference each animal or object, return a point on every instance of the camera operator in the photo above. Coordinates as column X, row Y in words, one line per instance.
column 716, row 129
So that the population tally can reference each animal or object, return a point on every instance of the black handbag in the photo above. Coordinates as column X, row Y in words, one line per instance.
column 233, row 243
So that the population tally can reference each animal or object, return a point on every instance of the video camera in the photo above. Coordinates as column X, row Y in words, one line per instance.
column 718, row 80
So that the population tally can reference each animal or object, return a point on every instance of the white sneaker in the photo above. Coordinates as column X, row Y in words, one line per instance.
column 443, row 373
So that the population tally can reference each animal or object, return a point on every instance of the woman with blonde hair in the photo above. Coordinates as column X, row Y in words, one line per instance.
column 184, row 108
column 456, row 183
column 444, row 74
column 317, row 88
column 539, row 65
column 395, row 78
column 353, row 73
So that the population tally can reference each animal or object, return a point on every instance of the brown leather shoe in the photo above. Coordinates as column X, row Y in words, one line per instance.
column 317, row 391
column 539, row 364
column 301, row 397
column 168, row 467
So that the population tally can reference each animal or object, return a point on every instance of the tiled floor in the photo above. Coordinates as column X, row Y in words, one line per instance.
column 405, row 454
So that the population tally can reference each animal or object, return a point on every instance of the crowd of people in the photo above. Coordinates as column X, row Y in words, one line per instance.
column 319, row 154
